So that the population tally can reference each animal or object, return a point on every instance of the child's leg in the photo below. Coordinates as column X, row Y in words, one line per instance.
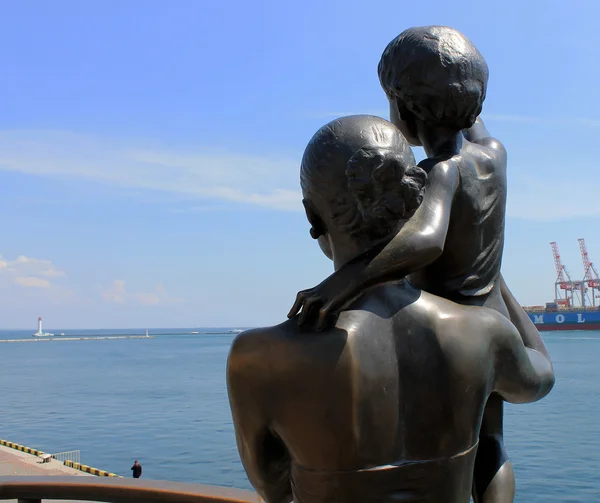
column 493, row 476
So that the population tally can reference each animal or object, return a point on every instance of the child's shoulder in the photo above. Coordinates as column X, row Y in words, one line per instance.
column 488, row 146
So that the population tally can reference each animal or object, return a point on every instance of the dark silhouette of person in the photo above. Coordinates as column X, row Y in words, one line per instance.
column 137, row 470
column 436, row 81
column 386, row 404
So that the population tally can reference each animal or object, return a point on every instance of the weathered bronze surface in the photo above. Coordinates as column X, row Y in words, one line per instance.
column 383, row 388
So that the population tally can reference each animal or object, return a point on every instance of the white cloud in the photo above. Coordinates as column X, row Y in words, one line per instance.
column 118, row 294
column 214, row 180
column 553, row 121
column 39, row 267
column 31, row 282
column 29, row 272
column 511, row 118
column 248, row 179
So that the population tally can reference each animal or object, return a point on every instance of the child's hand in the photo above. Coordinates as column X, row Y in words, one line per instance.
column 328, row 298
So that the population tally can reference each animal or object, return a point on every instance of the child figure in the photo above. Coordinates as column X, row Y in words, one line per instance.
column 435, row 80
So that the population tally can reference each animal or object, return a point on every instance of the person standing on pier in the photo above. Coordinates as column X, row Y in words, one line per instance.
column 137, row 470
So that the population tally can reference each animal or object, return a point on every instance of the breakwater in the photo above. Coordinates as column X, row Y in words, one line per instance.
column 82, row 338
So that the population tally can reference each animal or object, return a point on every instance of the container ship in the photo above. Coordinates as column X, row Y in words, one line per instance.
column 555, row 317
column 576, row 304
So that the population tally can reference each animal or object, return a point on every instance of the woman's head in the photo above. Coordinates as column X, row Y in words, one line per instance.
column 359, row 179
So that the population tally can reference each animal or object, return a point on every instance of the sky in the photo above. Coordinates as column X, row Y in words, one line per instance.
column 150, row 150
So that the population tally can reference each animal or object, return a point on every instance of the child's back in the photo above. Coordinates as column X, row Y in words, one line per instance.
column 469, row 264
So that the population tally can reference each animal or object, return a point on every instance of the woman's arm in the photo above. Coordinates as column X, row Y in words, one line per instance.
column 264, row 456
column 527, row 330
column 521, row 374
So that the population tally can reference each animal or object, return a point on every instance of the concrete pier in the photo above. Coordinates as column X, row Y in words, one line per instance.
column 13, row 462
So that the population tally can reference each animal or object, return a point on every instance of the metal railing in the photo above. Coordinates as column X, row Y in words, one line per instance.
column 67, row 456
column 114, row 490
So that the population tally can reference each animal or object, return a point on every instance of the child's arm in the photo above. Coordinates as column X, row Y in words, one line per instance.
column 479, row 134
column 418, row 243
column 476, row 132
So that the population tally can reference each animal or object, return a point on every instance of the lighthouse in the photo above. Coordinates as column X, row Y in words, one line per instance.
column 39, row 333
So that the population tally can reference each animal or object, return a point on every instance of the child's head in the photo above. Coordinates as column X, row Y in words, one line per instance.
column 435, row 74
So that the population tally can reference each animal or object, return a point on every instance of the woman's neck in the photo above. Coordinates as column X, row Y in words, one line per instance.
column 345, row 248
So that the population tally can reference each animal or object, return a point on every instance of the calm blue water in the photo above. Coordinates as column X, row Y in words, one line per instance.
column 164, row 401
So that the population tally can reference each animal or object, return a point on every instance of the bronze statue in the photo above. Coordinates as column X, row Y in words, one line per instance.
column 436, row 80
column 386, row 403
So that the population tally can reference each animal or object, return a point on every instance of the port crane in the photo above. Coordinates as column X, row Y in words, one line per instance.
column 591, row 280
column 566, row 291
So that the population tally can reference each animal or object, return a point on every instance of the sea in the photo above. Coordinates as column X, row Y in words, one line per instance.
column 163, row 401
